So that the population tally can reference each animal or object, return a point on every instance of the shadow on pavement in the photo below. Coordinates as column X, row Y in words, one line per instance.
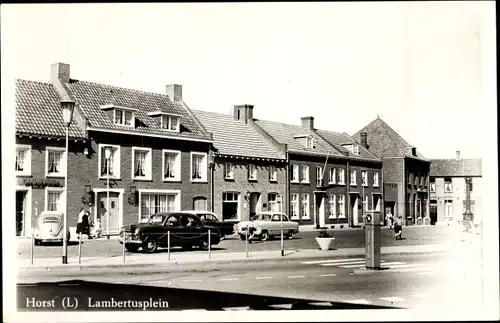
column 90, row 296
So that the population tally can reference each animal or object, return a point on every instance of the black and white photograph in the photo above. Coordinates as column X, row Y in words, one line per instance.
column 210, row 162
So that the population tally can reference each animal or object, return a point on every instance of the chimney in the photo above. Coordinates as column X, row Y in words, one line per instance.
column 174, row 91
column 364, row 139
column 414, row 151
column 308, row 122
column 243, row 112
column 458, row 154
column 59, row 71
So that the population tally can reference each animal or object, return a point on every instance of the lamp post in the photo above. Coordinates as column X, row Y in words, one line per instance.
column 107, row 152
column 67, row 111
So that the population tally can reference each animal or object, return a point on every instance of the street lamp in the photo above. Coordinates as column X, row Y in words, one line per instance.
column 68, row 107
column 107, row 153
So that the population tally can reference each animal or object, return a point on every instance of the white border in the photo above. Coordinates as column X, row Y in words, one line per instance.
column 178, row 167
column 27, row 161
column 204, row 167
column 177, row 194
column 117, row 161
column 63, row 162
column 149, row 164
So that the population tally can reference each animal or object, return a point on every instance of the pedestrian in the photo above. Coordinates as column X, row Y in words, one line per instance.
column 86, row 224
column 390, row 218
column 398, row 228
column 96, row 229
column 79, row 224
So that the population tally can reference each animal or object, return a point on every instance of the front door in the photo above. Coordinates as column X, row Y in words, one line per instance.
column 254, row 203
column 20, row 211
column 355, row 210
column 114, row 212
column 320, row 207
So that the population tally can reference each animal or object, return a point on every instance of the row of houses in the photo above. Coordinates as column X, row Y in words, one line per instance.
column 137, row 153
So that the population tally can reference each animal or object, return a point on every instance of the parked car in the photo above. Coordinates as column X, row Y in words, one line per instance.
column 49, row 227
column 186, row 230
column 210, row 219
column 267, row 225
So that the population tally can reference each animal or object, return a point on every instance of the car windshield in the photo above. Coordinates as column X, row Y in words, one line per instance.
column 156, row 219
column 50, row 219
column 263, row 217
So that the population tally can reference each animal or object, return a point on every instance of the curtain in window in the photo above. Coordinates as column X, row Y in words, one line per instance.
column 197, row 160
column 107, row 164
column 145, row 206
column 118, row 117
column 169, row 165
column 170, row 199
column 163, row 203
column 54, row 160
column 173, row 124
column 20, row 160
column 128, row 118
column 140, row 163
column 53, row 201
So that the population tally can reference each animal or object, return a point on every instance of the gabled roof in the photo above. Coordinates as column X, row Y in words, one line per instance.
column 235, row 138
column 455, row 167
column 338, row 139
column 285, row 134
column 38, row 111
column 90, row 96
column 383, row 141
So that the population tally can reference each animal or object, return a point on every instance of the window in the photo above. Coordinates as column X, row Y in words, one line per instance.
column 353, row 178
column 332, row 207
column 54, row 199
column 448, row 208
column 23, row 160
column 171, row 165
column 365, row 202
column 109, row 166
column 200, row 203
column 309, row 142
column 422, row 178
column 472, row 206
column 198, row 167
column 432, row 185
column 306, row 140
column 331, row 178
column 364, row 177
column 141, row 163
column 228, row 171
column 304, row 174
column 304, row 207
column 230, row 206
column 376, row 202
column 410, row 179
column 124, row 117
column 353, row 148
column 273, row 173
column 341, row 176
column 208, row 217
column 295, row 173
column 341, row 206
column 152, row 203
column 294, row 210
column 319, row 176
column 170, row 123
column 375, row 179
column 448, row 186
column 417, row 180
column 252, row 172
column 55, row 162
column 272, row 199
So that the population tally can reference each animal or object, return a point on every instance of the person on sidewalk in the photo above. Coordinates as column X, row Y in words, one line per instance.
column 389, row 218
column 96, row 229
column 398, row 228
column 83, row 225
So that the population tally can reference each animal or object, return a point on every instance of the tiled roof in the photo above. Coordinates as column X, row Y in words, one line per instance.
column 455, row 167
column 338, row 139
column 232, row 137
column 38, row 111
column 285, row 133
column 90, row 96
column 383, row 141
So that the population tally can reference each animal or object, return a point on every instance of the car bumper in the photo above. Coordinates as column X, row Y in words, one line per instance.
column 127, row 237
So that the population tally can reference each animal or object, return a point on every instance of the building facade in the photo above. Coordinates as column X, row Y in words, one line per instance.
column 448, row 189
column 131, row 153
column 405, row 172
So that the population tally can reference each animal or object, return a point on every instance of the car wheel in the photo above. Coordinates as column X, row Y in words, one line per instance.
column 264, row 236
column 289, row 236
column 37, row 242
column 204, row 245
column 132, row 247
column 150, row 245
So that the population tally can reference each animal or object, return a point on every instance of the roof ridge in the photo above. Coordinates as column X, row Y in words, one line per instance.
column 32, row 81
column 122, row 88
column 385, row 126
column 212, row 112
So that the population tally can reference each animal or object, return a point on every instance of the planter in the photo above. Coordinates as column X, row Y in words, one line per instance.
column 324, row 243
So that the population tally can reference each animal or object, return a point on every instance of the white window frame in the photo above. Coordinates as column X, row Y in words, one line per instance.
column 204, row 167
column 294, row 206
column 319, row 175
column 332, row 175
column 295, row 173
column 116, row 163
column 352, row 179
column 273, row 173
column 376, row 179
column 27, row 160
column 62, row 162
column 252, row 172
column 309, row 142
column 237, row 201
column 432, row 187
column 306, row 179
column 332, row 206
column 62, row 203
column 341, row 174
column 274, row 202
column 124, row 111
column 228, row 170
column 170, row 117
column 341, row 209
column 376, row 207
column 364, row 178
column 149, row 164
column 177, row 194
column 177, row 165
column 450, row 183
column 355, row 149
column 302, row 200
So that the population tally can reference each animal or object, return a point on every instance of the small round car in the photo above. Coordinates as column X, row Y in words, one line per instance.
column 49, row 227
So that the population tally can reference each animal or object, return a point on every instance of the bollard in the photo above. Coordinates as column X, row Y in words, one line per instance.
column 123, row 247
column 282, row 242
column 246, row 241
column 80, row 249
column 209, row 242
column 32, row 245
column 168, row 244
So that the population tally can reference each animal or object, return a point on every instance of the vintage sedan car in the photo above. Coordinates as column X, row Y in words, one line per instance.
column 186, row 230
column 267, row 225
column 210, row 219
column 49, row 227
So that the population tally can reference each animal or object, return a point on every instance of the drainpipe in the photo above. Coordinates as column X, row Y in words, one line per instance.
column 212, row 168
column 347, row 178
column 382, row 190
column 287, row 183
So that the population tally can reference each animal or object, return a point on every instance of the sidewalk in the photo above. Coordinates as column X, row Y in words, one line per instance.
column 179, row 258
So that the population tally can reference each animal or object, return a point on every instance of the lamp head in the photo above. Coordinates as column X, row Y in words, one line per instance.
column 68, row 106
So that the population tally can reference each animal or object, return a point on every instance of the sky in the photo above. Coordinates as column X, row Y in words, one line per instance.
column 419, row 65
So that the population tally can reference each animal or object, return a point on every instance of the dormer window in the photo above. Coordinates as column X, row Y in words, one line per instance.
column 306, row 140
column 167, row 121
column 353, row 148
column 122, row 116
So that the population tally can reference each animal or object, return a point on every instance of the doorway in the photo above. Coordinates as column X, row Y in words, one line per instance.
column 320, row 209
column 20, row 212
column 254, row 203
column 433, row 211
column 355, row 206
column 114, row 211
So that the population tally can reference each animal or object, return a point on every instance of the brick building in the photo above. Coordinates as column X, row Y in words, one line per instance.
column 405, row 172
column 447, row 189
column 158, row 152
